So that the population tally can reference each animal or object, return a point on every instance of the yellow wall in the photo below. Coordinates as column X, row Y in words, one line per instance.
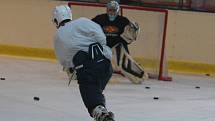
column 27, row 22
column 190, row 35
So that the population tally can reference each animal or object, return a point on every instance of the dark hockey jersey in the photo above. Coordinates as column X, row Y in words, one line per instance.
column 112, row 29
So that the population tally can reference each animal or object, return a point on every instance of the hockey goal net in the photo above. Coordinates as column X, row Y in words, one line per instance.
column 149, row 49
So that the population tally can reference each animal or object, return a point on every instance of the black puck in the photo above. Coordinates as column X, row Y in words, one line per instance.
column 197, row 87
column 36, row 98
column 147, row 87
column 2, row 78
column 207, row 74
column 156, row 98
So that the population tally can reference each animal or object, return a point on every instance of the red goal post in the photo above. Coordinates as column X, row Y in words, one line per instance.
column 151, row 41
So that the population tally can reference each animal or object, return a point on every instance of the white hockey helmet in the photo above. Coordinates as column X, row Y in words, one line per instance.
column 113, row 5
column 113, row 9
column 61, row 13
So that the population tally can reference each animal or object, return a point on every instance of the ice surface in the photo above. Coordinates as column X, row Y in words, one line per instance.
column 179, row 100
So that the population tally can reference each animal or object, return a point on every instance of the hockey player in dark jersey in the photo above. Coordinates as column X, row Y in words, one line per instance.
column 120, row 32
column 113, row 25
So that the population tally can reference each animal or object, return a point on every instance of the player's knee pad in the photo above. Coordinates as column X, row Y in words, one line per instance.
column 128, row 66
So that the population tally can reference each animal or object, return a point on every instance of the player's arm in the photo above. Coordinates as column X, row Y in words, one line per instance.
column 97, row 19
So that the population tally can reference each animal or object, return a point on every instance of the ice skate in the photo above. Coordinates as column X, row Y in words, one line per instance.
column 110, row 117
column 100, row 113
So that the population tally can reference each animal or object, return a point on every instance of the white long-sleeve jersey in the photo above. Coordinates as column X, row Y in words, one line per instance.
column 77, row 35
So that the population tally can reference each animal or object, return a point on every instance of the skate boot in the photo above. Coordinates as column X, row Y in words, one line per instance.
column 100, row 113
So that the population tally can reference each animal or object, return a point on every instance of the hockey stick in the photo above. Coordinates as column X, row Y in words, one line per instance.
column 70, row 79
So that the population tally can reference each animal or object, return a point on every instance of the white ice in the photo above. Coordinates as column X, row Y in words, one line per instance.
column 179, row 100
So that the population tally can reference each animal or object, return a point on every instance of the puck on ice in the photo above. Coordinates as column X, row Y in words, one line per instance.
column 207, row 74
column 197, row 87
column 156, row 98
column 147, row 87
column 36, row 98
column 2, row 78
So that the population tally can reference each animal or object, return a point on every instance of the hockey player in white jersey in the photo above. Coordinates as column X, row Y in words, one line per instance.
column 80, row 46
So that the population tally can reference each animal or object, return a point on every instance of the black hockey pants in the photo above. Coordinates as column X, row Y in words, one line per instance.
column 92, row 76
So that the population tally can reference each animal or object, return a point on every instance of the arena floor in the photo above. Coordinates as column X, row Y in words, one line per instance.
column 25, row 79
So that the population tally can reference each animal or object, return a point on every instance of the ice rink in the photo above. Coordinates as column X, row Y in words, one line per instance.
column 179, row 100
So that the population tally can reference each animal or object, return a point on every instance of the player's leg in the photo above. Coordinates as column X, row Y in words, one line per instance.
column 127, row 65
column 119, row 52
column 117, row 47
column 100, row 113
column 92, row 84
